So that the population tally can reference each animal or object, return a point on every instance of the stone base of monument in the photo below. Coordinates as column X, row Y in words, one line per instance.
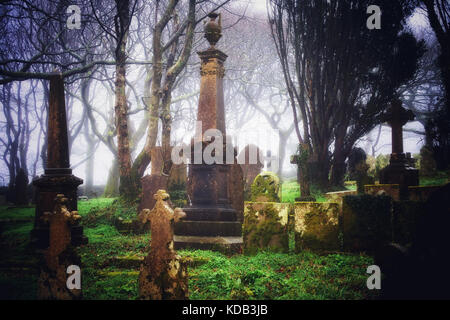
column 169, row 284
column 226, row 245
column 209, row 228
column 422, row 193
column 338, row 196
column 52, row 284
column 398, row 172
column 47, row 186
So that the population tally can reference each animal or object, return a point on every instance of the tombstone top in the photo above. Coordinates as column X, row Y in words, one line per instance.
column 397, row 115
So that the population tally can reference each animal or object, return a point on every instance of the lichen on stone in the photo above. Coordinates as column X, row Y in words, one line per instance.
column 265, row 227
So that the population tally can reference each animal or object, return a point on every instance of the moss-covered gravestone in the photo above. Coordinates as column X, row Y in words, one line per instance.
column 316, row 226
column 266, row 188
column 265, row 227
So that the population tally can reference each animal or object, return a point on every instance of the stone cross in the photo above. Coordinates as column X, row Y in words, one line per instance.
column 399, row 170
column 161, row 219
column 397, row 117
column 162, row 271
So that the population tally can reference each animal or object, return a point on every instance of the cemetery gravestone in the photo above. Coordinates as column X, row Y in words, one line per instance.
column 266, row 227
column 52, row 283
column 399, row 170
column 163, row 275
column 251, row 160
column 266, row 188
column 316, row 226
column 211, row 222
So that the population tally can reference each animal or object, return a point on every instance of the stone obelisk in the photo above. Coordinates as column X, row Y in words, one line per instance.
column 399, row 170
column 57, row 177
column 211, row 222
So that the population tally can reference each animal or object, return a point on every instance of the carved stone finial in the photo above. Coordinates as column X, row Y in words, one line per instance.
column 213, row 29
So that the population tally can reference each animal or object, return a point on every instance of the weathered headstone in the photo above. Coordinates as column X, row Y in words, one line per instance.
column 163, row 275
column 316, row 226
column 52, row 283
column 251, row 160
column 399, row 171
column 266, row 227
column 266, row 188
column 211, row 222
column 57, row 177
column 155, row 181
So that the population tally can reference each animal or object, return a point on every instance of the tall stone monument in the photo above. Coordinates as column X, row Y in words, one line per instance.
column 57, row 177
column 211, row 222
column 399, row 170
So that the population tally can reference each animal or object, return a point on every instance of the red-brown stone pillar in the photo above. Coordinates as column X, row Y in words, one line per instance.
column 211, row 222
column 57, row 177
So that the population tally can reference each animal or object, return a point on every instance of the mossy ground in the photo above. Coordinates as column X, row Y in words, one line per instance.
column 212, row 275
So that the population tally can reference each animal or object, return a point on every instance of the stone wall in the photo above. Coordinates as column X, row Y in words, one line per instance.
column 421, row 193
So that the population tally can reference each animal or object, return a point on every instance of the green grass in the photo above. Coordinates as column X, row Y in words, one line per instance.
column 20, row 213
column 291, row 190
column 278, row 276
column 84, row 207
column 440, row 178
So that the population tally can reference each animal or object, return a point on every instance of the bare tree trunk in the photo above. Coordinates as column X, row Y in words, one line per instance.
column 112, row 184
column 128, row 190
